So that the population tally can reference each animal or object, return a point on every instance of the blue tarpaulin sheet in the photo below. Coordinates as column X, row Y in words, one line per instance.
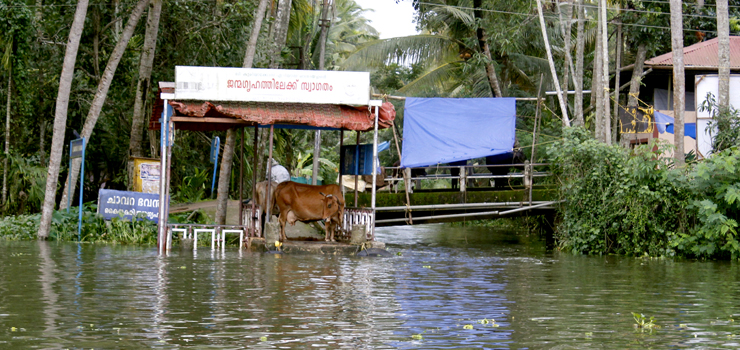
column 664, row 123
column 444, row 130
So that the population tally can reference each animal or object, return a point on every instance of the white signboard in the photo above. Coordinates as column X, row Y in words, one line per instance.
column 710, row 84
column 271, row 85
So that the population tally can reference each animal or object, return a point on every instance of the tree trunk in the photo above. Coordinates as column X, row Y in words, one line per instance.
column 636, row 75
column 102, row 92
column 607, row 129
column 617, row 75
column 222, row 196
column 7, row 135
column 564, row 110
column 252, row 43
column 679, row 89
column 723, row 32
column 144, row 82
column 325, row 23
column 485, row 50
column 578, row 73
column 566, row 32
column 596, row 90
column 280, row 31
column 60, row 118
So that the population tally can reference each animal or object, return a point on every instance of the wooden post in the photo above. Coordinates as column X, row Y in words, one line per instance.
column 254, row 183
column 269, row 175
column 534, row 130
column 241, row 180
column 357, row 164
column 341, row 143
column 463, row 179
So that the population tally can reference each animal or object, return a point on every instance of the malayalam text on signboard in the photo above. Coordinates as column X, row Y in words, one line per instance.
column 271, row 85
column 114, row 204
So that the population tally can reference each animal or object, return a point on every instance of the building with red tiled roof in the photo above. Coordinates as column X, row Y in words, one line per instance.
column 700, row 60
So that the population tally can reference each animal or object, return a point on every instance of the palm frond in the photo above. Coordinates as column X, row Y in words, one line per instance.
column 403, row 50
column 463, row 16
column 437, row 80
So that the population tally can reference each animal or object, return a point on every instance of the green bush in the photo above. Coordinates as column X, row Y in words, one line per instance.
column 64, row 227
column 715, row 188
column 617, row 201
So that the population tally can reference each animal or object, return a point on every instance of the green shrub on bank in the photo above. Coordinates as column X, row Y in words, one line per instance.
column 94, row 228
column 617, row 200
column 634, row 202
column 715, row 188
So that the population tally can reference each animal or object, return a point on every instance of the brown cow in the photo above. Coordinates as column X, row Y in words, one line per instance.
column 299, row 202
column 260, row 196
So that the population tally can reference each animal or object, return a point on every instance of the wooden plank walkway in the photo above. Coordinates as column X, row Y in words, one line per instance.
column 447, row 205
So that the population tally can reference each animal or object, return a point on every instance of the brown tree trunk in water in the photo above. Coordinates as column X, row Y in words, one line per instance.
column 485, row 50
column 222, row 192
column 679, row 89
column 144, row 83
column 578, row 73
column 723, row 50
column 102, row 92
column 60, row 118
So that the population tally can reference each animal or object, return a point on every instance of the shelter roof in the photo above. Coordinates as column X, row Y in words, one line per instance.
column 219, row 116
column 701, row 55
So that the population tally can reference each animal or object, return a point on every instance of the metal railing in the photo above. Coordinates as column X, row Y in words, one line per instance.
column 393, row 175
column 358, row 216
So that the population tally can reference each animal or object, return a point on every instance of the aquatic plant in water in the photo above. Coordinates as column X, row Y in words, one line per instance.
column 643, row 322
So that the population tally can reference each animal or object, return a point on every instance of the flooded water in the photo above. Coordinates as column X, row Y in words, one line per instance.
column 443, row 288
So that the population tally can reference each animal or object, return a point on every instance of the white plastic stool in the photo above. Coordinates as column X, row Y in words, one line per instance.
column 183, row 235
column 241, row 236
column 199, row 230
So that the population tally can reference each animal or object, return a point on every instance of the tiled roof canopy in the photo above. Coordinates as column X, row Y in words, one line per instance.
column 219, row 116
column 701, row 55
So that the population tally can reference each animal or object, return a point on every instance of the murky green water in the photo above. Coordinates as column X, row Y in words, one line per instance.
column 446, row 280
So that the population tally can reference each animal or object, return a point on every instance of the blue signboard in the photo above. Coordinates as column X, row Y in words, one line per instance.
column 76, row 148
column 112, row 204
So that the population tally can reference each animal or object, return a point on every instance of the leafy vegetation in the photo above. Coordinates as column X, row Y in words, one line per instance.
column 636, row 203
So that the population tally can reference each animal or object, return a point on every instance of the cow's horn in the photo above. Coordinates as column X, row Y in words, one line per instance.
column 322, row 193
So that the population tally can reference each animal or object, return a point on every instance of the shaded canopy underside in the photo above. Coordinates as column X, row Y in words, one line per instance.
column 220, row 116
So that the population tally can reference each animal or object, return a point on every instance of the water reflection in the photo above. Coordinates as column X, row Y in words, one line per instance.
column 434, row 295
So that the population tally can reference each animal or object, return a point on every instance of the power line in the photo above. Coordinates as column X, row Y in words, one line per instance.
column 554, row 17
column 656, row 12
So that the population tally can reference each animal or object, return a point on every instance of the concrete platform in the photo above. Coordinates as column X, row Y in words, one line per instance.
column 315, row 247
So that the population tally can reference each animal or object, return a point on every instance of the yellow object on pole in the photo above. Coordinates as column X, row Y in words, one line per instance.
column 147, row 172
